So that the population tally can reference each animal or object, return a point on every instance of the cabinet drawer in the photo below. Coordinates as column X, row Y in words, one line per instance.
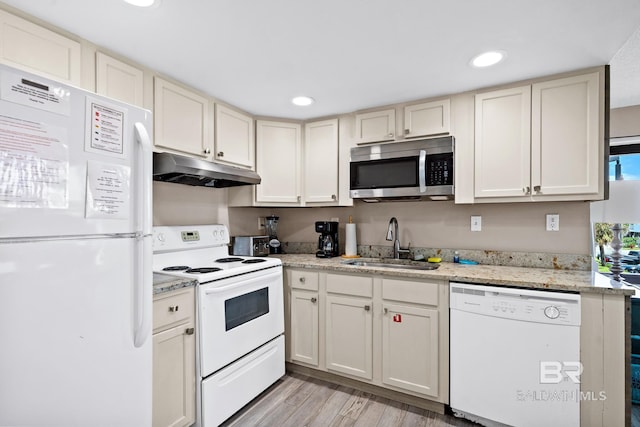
column 350, row 285
column 304, row 280
column 172, row 308
column 410, row 291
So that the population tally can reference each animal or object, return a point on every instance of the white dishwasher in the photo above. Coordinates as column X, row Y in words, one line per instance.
column 514, row 356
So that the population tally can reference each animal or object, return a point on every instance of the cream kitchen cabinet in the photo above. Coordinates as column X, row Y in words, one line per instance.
column 278, row 162
column 375, row 126
column 119, row 80
column 174, row 376
column 410, row 320
column 543, row 141
column 304, row 317
column 321, row 155
column 182, row 120
column 234, row 137
column 427, row 119
column 349, row 325
column 39, row 50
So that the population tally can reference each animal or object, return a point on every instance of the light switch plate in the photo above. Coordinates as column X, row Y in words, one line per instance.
column 476, row 223
column 553, row 222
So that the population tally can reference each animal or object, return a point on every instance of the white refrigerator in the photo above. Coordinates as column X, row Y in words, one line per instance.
column 75, row 256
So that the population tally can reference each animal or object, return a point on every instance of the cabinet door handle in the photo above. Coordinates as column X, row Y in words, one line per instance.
column 207, row 150
column 537, row 189
column 333, row 197
column 221, row 154
column 173, row 308
column 407, row 131
column 526, row 190
column 299, row 198
column 367, row 307
column 189, row 331
column 386, row 310
column 314, row 300
column 303, row 279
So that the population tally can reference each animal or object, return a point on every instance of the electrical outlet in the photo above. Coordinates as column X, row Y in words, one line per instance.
column 553, row 222
column 476, row 223
column 261, row 221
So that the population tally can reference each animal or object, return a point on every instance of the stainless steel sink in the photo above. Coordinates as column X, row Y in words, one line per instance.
column 392, row 263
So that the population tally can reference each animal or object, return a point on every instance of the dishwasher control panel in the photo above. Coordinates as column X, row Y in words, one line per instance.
column 517, row 304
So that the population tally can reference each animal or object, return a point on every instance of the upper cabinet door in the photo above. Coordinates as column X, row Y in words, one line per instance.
column 181, row 119
column 502, row 143
column 278, row 153
column 375, row 126
column 119, row 80
column 321, row 162
column 33, row 48
column 566, row 136
column 430, row 118
column 235, row 142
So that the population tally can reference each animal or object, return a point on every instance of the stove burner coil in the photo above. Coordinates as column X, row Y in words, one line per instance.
column 253, row 261
column 203, row 270
column 176, row 268
column 229, row 259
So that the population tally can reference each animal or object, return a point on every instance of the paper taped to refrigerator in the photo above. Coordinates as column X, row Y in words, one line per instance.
column 42, row 94
column 34, row 164
column 105, row 128
column 108, row 190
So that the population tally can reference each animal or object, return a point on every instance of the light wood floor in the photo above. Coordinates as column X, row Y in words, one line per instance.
column 300, row 401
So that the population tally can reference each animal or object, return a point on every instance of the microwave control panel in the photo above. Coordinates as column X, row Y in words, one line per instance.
column 439, row 169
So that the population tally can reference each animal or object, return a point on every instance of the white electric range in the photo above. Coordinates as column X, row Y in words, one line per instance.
column 239, row 316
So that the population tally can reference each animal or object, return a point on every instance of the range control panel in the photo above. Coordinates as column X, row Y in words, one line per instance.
column 182, row 237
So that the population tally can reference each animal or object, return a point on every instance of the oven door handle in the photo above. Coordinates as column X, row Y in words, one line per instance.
column 422, row 171
column 241, row 283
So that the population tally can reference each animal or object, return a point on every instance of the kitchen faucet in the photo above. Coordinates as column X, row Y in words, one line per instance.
column 392, row 234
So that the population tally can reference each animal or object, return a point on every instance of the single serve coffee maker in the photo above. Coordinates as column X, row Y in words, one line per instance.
column 328, row 244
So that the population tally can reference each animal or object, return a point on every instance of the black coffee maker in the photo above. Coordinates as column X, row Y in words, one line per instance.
column 328, row 244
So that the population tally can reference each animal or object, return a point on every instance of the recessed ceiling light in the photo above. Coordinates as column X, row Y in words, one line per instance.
column 142, row 3
column 487, row 59
column 302, row 101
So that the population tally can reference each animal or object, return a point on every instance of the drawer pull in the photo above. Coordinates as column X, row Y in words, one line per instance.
column 173, row 308
column 386, row 310
column 189, row 331
column 302, row 280
column 367, row 308
column 314, row 300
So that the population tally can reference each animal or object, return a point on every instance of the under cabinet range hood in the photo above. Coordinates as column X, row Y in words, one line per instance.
column 170, row 167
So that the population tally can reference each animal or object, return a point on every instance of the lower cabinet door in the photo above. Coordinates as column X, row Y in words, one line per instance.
column 304, row 326
column 349, row 336
column 174, row 377
column 410, row 348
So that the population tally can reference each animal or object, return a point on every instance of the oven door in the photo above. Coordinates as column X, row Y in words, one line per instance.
column 237, row 315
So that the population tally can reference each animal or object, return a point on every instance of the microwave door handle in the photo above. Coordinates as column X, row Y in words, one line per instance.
column 422, row 171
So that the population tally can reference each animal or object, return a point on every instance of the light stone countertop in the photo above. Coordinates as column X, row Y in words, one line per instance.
column 165, row 283
column 533, row 278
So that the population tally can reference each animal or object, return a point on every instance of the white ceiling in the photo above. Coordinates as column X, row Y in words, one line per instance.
column 355, row 54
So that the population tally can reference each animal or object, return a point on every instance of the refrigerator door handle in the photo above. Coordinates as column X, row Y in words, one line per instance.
column 146, row 166
column 143, row 281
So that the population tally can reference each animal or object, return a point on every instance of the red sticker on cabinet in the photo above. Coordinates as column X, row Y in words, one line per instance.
column 397, row 318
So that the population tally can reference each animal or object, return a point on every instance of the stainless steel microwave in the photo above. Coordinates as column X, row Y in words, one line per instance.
column 410, row 170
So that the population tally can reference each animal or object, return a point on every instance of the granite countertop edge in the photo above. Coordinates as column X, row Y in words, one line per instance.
column 166, row 283
column 526, row 277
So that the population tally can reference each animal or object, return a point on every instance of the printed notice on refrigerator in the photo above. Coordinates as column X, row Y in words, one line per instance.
column 105, row 128
column 34, row 164
column 35, row 92
column 108, row 189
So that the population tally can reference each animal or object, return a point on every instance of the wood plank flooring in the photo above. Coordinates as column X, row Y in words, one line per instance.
column 300, row 401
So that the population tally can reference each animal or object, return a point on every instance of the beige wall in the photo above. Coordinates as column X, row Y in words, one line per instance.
column 176, row 204
column 506, row 227
column 625, row 121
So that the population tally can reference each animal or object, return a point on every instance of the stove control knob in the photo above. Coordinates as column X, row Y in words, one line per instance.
column 552, row 312
column 161, row 237
column 215, row 234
